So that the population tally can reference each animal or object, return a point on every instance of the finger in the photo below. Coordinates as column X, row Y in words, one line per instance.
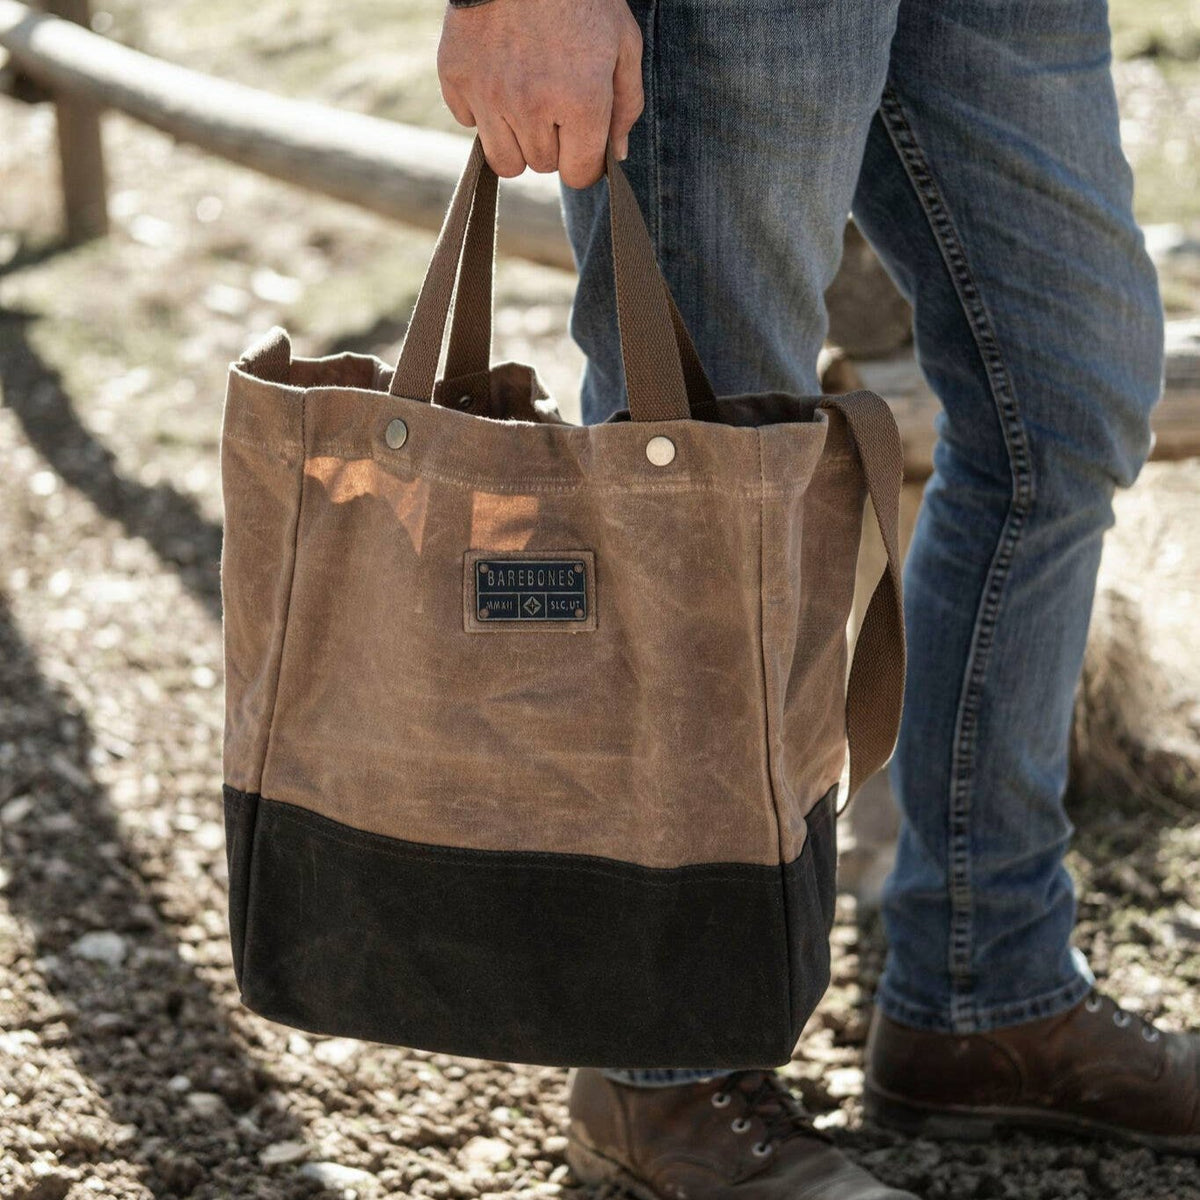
column 539, row 145
column 500, row 146
column 628, row 97
column 581, row 143
column 458, row 106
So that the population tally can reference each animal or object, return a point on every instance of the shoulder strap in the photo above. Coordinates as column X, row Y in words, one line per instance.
column 875, row 692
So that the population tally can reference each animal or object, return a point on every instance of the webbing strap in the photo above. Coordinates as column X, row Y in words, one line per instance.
column 875, row 692
column 662, row 368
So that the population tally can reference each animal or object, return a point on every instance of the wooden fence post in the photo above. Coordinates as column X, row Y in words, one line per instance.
column 80, row 150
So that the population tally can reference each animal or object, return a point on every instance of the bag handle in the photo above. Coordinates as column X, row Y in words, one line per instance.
column 662, row 368
column 875, row 692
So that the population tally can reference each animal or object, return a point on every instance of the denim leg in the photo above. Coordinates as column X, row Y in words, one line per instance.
column 995, row 189
column 744, row 164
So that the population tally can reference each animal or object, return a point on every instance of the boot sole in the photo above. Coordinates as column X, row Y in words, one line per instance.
column 593, row 1169
column 977, row 1124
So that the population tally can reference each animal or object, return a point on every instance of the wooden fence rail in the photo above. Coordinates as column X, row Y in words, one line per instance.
column 396, row 170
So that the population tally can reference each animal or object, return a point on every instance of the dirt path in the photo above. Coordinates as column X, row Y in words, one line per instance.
column 127, row 1068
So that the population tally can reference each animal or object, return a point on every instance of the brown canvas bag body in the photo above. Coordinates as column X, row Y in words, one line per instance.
column 534, row 731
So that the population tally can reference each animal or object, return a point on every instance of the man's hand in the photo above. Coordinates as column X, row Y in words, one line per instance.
column 547, row 82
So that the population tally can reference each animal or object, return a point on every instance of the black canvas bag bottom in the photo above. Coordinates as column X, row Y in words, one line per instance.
column 553, row 959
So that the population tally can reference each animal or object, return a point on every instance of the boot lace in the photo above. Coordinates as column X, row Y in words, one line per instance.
column 766, row 1096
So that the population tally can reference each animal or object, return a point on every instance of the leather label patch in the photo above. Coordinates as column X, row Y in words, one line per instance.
column 529, row 591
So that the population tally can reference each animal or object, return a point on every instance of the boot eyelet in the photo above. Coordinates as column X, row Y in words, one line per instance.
column 1149, row 1033
column 739, row 1124
column 720, row 1099
column 760, row 1149
column 1093, row 1003
column 1121, row 1018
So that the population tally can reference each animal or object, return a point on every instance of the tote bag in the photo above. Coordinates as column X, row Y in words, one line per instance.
column 534, row 731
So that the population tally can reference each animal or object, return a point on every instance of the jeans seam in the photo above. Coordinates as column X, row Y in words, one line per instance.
column 654, row 126
column 963, row 755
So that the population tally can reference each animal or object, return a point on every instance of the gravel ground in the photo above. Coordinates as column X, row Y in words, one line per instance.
column 127, row 1067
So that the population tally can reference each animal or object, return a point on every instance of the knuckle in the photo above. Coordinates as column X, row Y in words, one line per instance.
column 630, row 107
column 586, row 107
column 450, row 67
column 528, row 97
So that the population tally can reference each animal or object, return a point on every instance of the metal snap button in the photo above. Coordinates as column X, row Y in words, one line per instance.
column 396, row 433
column 660, row 450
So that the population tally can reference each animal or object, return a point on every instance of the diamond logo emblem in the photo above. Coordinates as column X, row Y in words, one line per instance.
column 533, row 606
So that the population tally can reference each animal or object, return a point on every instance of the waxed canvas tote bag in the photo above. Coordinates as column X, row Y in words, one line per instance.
column 534, row 731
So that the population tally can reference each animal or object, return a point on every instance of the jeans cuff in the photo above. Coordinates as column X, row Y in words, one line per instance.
column 663, row 1076
column 992, row 1016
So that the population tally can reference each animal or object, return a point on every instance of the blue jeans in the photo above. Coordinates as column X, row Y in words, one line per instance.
column 977, row 143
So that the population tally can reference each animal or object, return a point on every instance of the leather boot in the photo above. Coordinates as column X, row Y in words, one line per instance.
column 1094, row 1070
column 740, row 1137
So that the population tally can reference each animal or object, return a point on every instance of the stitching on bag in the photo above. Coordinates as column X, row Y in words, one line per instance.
column 287, row 608
column 272, row 449
column 547, row 860
column 509, row 485
column 767, row 722
column 963, row 762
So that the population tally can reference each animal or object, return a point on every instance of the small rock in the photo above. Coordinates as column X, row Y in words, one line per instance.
column 206, row 1104
column 11, row 1043
column 844, row 1081
column 336, row 1052
column 59, row 822
column 64, row 768
column 49, row 1183
column 16, row 810
column 831, row 1120
column 106, row 1022
column 283, row 1152
column 334, row 1175
column 484, row 1152
column 101, row 945
column 179, row 1083
column 299, row 1045
column 210, row 836
column 275, row 288
column 554, row 1144
column 150, row 231
column 227, row 300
